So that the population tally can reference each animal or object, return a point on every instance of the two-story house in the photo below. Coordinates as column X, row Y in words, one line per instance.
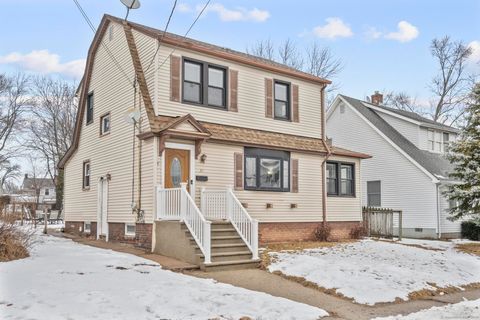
column 230, row 144
column 38, row 191
column 408, row 169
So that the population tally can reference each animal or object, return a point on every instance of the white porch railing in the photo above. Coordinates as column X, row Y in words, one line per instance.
column 177, row 204
column 225, row 205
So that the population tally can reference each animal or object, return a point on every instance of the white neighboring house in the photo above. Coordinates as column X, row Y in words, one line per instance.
column 43, row 188
column 408, row 170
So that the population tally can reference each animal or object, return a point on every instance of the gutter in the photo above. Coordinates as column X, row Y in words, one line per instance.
column 439, row 225
column 324, row 162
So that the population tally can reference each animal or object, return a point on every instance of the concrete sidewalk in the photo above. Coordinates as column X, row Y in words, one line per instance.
column 338, row 308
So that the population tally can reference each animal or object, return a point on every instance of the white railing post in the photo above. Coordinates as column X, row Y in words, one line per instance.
column 229, row 203
column 183, row 200
column 255, row 239
column 203, row 207
column 207, row 241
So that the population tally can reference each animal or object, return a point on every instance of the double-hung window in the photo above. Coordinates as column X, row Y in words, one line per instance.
column 431, row 140
column 105, row 124
column 86, row 174
column 282, row 100
column 89, row 108
column 267, row 170
column 340, row 179
column 204, row 84
column 374, row 194
column 446, row 140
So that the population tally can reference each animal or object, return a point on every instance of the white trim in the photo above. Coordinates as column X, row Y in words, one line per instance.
column 130, row 234
column 431, row 176
column 181, row 146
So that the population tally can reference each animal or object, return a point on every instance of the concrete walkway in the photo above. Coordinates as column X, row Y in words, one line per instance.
column 338, row 308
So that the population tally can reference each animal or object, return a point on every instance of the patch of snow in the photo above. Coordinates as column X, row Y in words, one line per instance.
column 466, row 310
column 371, row 271
column 66, row 280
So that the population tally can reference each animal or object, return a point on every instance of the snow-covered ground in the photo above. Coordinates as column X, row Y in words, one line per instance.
column 466, row 310
column 376, row 271
column 66, row 280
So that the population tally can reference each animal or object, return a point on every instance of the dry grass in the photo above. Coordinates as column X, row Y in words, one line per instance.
column 14, row 241
column 426, row 293
column 470, row 248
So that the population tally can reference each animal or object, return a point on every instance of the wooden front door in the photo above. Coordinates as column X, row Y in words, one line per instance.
column 177, row 168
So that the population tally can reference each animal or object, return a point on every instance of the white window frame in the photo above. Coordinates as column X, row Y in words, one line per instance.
column 102, row 118
column 431, row 139
column 89, row 230
column 130, row 234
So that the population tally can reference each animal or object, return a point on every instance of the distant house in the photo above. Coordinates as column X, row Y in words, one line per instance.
column 38, row 190
column 408, row 169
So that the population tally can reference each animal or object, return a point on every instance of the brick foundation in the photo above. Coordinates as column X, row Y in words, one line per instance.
column 116, row 232
column 302, row 231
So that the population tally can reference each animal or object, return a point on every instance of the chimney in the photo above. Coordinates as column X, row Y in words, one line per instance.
column 377, row 98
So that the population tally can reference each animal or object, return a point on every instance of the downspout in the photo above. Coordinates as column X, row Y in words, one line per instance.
column 324, row 162
column 439, row 225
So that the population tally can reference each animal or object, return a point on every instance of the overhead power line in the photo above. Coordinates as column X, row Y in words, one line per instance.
column 163, row 35
column 90, row 24
column 186, row 33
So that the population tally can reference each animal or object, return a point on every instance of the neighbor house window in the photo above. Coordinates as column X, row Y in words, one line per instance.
column 438, row 141
column 204, row 84
column 86, row 174
column 267, row 170
column 129, row 229
column 47, row 191
column 282, row 100
column 105, row 124
column 374, row 198
column 340, row 179
column 446, row 140
column 90, row 108
column 431, row 140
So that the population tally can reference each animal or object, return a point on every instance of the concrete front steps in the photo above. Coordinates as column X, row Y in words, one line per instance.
column 228, row 251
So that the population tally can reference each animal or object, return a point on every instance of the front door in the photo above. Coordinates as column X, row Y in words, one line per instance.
column 102, row 222
column 177, row 168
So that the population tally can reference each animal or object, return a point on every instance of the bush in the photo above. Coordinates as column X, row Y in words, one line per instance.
column 471, row 230
column 322, row 232
column 14, row 241
column 359, row 231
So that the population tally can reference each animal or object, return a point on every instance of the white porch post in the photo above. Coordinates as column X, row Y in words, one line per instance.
column 229, row 203
column 255, row 239
column 183, row 200
column 203, row 207
column 207, row 241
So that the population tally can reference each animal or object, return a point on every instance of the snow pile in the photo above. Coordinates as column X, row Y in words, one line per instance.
column 66, row 280
column 375, row 271
column 466, row 310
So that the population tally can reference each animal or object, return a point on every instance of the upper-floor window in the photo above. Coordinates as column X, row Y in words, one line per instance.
column 105, row 124
column 86, row 174
column 446, row 140
column 340, row 179
column 431, row 140
column 90, row 108
column 204, row 84
column 47, row 191
column 267, row 170
column 282, row 100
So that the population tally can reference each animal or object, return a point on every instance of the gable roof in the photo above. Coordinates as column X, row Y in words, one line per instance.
column 436, row 164
column 32, row 183
column 413, row 116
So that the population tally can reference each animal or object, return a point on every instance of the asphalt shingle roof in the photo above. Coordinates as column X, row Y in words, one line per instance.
column 434, row 163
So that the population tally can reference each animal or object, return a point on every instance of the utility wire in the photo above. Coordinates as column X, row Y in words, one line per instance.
column 163, row 35
column 89, row 22
column 186, row 33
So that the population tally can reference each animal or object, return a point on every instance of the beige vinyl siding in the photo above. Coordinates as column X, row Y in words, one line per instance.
column 251, row 99
column 112, row 153
column 346, row 208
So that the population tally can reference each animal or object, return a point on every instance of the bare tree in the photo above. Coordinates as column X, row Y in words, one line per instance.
column 402, row 101
column 8, row 172
column 321, row 62
column 289, row 55
column 452, row 84
column 52, row 122
column 13, row 102
column 263, row 49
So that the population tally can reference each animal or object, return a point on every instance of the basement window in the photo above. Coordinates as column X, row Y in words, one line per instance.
column 129, row 229
column 87, row 227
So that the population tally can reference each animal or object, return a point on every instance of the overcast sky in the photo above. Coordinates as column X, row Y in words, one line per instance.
column 383, row 44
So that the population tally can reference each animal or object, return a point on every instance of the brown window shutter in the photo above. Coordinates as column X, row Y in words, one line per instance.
column 294, row 175
column 295, row 114
column 175, row 78
column 238, row 167
column 233, row 91
column 269, row 98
